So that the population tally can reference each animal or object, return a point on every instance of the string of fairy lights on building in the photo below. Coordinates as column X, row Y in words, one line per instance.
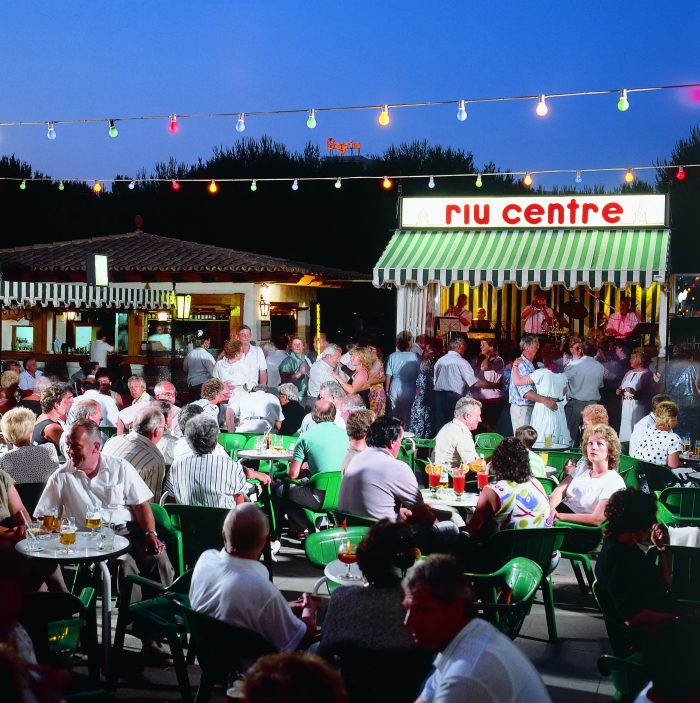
column 173, row 121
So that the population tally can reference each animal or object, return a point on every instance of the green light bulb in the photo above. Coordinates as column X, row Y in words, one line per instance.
column 338, row 184
column 311, row 122
column 623, row 104
column 113, row 131
column 479, row 182
column 60, row 185
column 23, row 185
column 253, row 186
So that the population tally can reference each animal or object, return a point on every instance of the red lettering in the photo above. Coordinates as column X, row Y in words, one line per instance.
column 449, row 209
column 557, row 208
column 572, row 206
column 485, row 217
column 611, row 213
column 587, row 207
column 506, row 214
column 533, row 214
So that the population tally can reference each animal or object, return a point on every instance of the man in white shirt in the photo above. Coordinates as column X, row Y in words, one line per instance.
column 29, row 375
column 182, row 446
column 622, row 324
column 137, row 389
column 110, row 412
column 214, row 393
column 322, row 369
column 100, row 348
column 333, row 391
column 476, row 662
column 454, row 444
column 232, row 585
column 166, row 391
column 537, row 316
column 254, row 359
column 257, row 412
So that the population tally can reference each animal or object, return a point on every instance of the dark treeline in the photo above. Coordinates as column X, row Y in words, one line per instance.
column 344, row 228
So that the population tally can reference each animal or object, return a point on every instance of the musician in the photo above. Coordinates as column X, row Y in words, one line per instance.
column 538, row 317
column 622, row 324
column 460, row 311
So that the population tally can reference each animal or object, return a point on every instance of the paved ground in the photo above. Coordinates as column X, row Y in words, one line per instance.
column 567, row 667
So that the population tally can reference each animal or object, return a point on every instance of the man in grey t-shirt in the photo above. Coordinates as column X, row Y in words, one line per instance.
column 585, row 379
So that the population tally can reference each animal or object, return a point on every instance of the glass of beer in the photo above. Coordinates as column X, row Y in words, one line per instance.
column 697, row 447
column 347, row 555
column 67, row 535
column 548, row 441
column 93, row 519
column 50, row 519
column 686, row 444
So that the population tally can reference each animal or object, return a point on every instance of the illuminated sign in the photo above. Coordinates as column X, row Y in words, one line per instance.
column 569, row 211
column 342, row 147
column 97, row 270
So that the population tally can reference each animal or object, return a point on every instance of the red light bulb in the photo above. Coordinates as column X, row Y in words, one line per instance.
column 174, row 185
column 681, row 174
column 173, row 126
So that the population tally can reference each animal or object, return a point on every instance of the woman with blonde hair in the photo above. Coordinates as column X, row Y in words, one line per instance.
column 9, row 382
column 660, row 445
column 636, row 390
column 25, row 463
column 377, row 394
column 230, row 368
column 582, row 499
column 362, row 360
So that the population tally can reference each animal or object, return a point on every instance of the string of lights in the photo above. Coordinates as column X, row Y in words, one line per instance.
column 384, row 116
column 387, row 181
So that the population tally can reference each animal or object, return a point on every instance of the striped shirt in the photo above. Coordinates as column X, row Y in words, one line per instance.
column 142, row 454
column 207, row 479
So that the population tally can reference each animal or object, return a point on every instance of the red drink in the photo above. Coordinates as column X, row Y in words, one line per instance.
column 482, row 478
column 458, row 484
column 434, row 479
column 348, row 558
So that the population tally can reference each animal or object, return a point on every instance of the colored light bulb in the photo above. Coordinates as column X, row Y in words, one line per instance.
column 629, row 176
column 51, row 131
column 542, row 108
column 173, row 126
column 97, row 188
column 253, row 185
column 240, row 123
column 680, row 174
column 578, row 178
column 623, row 104
column 113, row 131
column 295, row 185
column 132, row 185
column 461, row 111
column 528, row 179
column 174, row 185
column 213, row 188
column 479, row 182
column 311, row 122
column 23, row 185
column 384, row 118
column 338, row 184
column 60, row 185
column 387, row 183
column 431, row 182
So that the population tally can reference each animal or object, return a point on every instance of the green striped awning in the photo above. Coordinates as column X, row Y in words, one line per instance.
column 541, row 256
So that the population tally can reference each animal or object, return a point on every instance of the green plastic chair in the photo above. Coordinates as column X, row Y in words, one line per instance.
column 621, row 641
column 30, row 494
column 655, row 476
column 328, row 481
column 628, row 675
column 222, row 649
column 578, row 546
column 321, row 548
column 627, row 463
column 340, row 517
column 109, row 431
column 49, row 620
column 683, row 502
column 232, row 442
column 538, row 545
column 487, row 440
column 200, row 528
column 558, row 459
column 625, row 447
column 171, row 536
column 519, row 580
column 159, row 614
column 684, row 563
column 549, row 483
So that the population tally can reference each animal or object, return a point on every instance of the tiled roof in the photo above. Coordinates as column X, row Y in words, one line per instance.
column 140, row 251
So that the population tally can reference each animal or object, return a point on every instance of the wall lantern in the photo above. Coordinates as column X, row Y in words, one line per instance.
column 183, row 303
column 264, row 307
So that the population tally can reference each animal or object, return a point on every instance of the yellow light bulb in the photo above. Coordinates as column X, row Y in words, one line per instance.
column 384, row 118
column 213, row 188
column 629, row 176
column 387, row 183
column 528, row 179
column 97, row 188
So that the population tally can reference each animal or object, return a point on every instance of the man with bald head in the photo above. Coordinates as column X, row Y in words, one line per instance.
column 232, row 585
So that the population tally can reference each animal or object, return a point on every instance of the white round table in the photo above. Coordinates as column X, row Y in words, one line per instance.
column 269, row 455
column 335, row 572
column 446, row 496
column 540, row 446
column 84, row 551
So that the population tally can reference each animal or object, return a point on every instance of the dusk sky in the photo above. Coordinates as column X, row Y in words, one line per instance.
column 75, row 59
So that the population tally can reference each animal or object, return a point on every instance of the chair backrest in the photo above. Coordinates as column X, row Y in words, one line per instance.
column 627, row 463
column 109, row 431
column 684, row 563
column 487, row 440
column 321, row 547
column 549, row 483
column 171, row 536
column 30, row 494
column 558, row 459
column 682, row 501
column 340, row 517
column 628, row 675
column 221, row 648
column 328, row 481
column 232, row 442
column 200, row 528
column 658, row 477
column 537, row 544
column 618, row 631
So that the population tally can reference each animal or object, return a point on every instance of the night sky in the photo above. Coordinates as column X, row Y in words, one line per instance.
column 101, row 60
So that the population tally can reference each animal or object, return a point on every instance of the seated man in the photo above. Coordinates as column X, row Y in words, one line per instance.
column 166, row 444
column 357, row 426
column 138, row 447
column 84, row 409
column 330, row 390
column 256, row 412
column 215, row 392
column 476, row 662
column 137, row 389
column 91, row 391
column 321, row 448
column 292, row 409
column 91, row 478
column 182, row 446
column 527, row 434
column 454, row 444
column 204, row 477
column 232, row 585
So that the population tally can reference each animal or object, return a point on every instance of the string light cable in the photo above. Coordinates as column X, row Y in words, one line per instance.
column 173, row 119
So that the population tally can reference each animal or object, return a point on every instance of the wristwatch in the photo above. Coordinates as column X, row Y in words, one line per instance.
column 151, row 532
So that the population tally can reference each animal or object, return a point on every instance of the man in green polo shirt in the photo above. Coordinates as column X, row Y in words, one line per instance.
column 320, row 448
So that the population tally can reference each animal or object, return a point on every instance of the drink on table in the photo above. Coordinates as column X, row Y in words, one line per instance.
column 50, row 520
column 434, row 472
column 93, row 519
column 458, row 480
column 482, row 479
column 697, row 446
column 33, row 532
column 444, row 477
column 686, row 443
column 67, row 535
column 548, row 441
column 347, row 555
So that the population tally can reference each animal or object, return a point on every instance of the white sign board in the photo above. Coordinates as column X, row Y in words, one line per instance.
column 568, row 211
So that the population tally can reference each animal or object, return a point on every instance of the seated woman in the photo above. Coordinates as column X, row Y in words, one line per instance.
column 634, row 588
column 9, row 382
column 25, row 463
column 56, row 401
column 372, row 618
column 659, row 445
column 583, row 499
column 515, row 500
column 594, row 414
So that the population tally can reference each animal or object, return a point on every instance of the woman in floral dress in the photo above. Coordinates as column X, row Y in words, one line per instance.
column 421, row 411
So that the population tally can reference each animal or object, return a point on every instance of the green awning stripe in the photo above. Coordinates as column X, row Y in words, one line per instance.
column 524, row 257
